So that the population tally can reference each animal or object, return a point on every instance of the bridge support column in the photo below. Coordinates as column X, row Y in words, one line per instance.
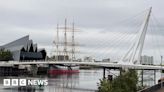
column 103, row 72
column 121, row 70
column 154, row 77
column 142, row 77
column 33, row 70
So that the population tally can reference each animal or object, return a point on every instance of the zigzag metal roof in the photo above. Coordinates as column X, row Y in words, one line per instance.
column 18, row 44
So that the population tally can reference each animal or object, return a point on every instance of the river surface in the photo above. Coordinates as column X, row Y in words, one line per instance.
column 85, row 81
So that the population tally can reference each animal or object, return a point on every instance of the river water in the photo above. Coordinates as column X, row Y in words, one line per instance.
column 85, row 81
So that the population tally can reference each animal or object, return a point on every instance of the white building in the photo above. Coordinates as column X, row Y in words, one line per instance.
column 88, row 59
column 147, row 60
column 106, row 60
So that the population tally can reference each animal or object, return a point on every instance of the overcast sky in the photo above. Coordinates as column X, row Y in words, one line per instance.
column 99, row 22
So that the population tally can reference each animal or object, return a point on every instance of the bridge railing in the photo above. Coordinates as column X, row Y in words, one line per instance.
column 154, row 88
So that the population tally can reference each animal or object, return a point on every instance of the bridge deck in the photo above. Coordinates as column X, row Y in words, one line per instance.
column 100, row 64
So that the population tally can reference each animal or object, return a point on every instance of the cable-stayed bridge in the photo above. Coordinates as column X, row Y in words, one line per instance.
column 131, row 60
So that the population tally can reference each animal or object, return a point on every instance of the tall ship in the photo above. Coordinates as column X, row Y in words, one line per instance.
column 65, row 45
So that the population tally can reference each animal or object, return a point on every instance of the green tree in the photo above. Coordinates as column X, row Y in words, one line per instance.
column 126, row 82
column 5, row 55
column 104, row 86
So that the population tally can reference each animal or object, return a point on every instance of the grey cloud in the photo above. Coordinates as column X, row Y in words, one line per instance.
column 100, row 20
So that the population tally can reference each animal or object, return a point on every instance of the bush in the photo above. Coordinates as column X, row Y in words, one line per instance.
column 5, row 55
column 127, row 82
column 104, row 86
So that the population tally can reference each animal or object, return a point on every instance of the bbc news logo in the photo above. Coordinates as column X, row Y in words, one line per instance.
column 24, row 82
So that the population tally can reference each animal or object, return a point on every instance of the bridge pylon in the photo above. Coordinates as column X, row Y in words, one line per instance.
column 133, row 55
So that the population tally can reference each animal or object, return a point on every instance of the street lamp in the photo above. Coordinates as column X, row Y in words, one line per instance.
column 161, row 71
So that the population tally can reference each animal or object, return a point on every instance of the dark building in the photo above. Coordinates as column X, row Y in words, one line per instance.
column 24, row 49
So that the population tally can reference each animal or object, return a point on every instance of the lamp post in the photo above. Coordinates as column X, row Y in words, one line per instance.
column 161, row 71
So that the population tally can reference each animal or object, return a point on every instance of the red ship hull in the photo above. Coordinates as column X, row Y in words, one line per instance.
column 58, row 69
column 63, row 71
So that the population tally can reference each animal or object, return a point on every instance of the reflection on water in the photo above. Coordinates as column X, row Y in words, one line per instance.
column 85, row 81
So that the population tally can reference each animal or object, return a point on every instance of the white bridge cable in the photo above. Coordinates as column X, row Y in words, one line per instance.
column 115, row 46
column 154, row 51
column 158, row 25
column 123, row 21
column 106, row 42
column 130, row 40
column 112, row 46
column 120, row 38
column 137, row 48
column 152, row 43
column 156, row 32
column 99, row 42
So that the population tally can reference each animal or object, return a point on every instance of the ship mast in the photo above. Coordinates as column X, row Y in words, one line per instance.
column 65, row 54
column 57, row 43
column 65, row 40
column 73, row 42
